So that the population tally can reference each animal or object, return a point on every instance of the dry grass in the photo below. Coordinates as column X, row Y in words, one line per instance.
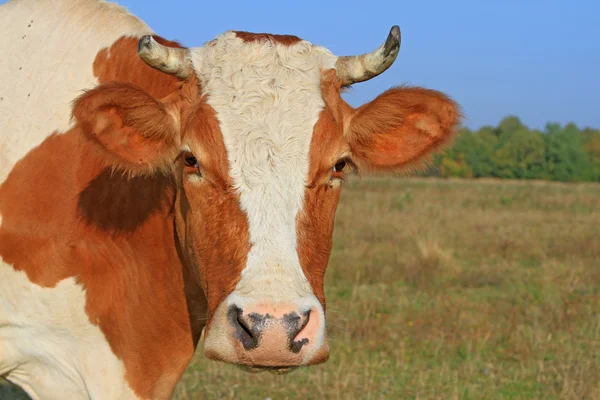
column 449, row 289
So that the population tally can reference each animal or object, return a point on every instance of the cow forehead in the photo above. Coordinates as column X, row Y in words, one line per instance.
column 267, row 99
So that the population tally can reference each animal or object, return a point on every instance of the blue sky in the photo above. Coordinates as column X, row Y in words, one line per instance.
column 536, row 59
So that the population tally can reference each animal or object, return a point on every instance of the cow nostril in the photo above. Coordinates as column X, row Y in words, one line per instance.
column 242, row 325
column 243, row 328
column 297, row 343
column 305, row 321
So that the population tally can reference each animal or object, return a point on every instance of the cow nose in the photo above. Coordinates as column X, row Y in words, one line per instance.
column 267, row 334
column 251, row 327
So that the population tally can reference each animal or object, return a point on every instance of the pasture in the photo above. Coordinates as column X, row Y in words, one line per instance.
column 440, row 289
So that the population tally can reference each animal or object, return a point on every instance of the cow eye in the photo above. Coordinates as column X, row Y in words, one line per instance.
column 339, row 166
column 192, row 165
column 191, row 161
column 337, row 173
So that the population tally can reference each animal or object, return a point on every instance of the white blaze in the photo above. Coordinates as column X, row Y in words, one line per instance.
column 267, row 97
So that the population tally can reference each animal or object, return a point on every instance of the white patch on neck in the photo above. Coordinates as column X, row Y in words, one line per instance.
column 267, row 97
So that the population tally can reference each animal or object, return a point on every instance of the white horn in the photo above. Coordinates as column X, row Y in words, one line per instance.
column 353, row 69
column 170, row 60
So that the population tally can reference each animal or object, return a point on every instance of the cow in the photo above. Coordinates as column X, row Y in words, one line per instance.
column 152, row 195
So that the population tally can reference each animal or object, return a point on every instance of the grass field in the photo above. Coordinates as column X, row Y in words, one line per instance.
column 449, row 289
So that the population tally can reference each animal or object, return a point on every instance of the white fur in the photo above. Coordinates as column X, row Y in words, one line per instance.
column 267, row 98
column 48, row 346
column 47, row 343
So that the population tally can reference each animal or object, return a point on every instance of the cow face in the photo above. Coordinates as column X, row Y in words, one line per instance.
column 259, row 139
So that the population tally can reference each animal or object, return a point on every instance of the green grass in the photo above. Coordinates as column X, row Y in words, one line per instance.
column 449, row 289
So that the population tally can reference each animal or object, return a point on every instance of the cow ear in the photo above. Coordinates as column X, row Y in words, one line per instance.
column 134, row 131
column 400, row 127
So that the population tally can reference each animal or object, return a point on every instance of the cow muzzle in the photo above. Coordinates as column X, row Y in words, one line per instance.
column 267, row 335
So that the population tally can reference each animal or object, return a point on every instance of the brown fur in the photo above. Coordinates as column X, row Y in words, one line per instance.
column 315, row 222
column 136, row 130
column 212, row 228
column 121, row 63
column 401, row 126
column 249, row 37
column 126, row 262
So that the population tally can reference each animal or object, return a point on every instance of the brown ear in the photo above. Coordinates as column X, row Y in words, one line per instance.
column 401, row 126
column 135, row 131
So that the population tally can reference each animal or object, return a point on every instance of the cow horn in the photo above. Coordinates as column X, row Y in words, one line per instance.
column 170, row 60
column 353, row 69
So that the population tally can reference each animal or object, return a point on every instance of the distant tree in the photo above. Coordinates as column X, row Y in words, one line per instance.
column 509, row 124
column 534, row 156
column 479, row 154
column 456, row 168
column 488, row 130
column 591, row 138
column 520, row 155
column 566, row 157
column 503, row 159
column 454, row 162
column 511, row 150
column 553, row 127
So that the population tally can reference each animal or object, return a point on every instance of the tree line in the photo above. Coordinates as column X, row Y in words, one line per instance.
column 513, row 151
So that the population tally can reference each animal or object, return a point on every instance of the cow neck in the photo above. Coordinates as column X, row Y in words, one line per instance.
column 64, row 214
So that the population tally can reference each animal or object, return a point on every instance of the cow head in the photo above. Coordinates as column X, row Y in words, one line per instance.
column 259, row 139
